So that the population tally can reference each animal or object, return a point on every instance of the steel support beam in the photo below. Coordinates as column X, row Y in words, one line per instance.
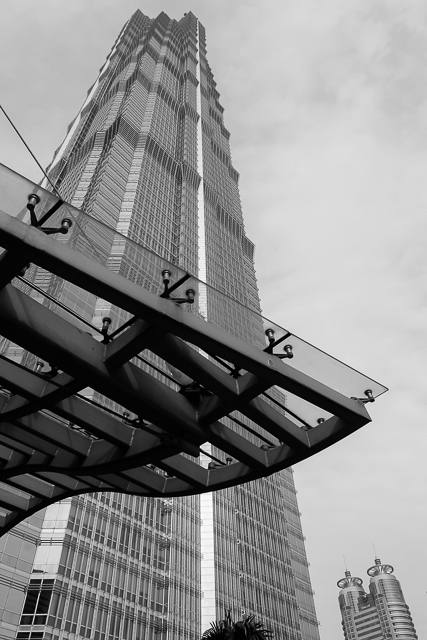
column 55, row 444
column 31, row 386
column 38, row 329
column 84, row 272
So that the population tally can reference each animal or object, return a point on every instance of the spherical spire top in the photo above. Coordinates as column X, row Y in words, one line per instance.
column 379, row 568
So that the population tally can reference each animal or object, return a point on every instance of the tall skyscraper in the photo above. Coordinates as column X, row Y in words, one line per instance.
column 149, row 155
column 381, row 614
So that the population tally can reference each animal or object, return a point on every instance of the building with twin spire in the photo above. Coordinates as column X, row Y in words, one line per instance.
column 381, row 613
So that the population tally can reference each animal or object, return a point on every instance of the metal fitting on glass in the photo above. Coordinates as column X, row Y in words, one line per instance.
column 168, row 288
column 39, row 366
column 106, row 322
column 270, row 335
column 33, row 201
column 166, row 275
column 288, row 351
column 53, row 371
column 189, row 297
column 369, row 395
column 190, row 293
column 66, row 225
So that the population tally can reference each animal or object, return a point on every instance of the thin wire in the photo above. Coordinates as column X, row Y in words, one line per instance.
column 60, row 304
column 138, row 425
column 212, row 457
column 286, row 409
column 245, row 426
column 54, row 189
column 163, row 373
column 223, row 363
column 124, row 326
column 27, row 147
column 101, row 406
column 65, row 204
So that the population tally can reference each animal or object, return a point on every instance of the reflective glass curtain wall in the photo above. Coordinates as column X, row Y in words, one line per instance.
column 149, row 155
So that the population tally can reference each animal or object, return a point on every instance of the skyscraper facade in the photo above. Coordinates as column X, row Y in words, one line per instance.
column 381, row 614
column 148, row 155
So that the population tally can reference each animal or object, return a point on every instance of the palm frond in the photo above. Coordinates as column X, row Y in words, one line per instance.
column 221, row 629
column 246, row 629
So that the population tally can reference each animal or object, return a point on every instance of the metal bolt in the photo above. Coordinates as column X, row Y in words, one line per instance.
column 33, row 200
column 106, row 321
column 166, row 275
column 288, row 350
column 190, row 293
column 270, row 335
column 66, row 224
column 369, row 395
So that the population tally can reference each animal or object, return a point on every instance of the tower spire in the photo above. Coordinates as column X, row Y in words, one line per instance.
column 350, row 581
column 381, row 612
column 379, row 568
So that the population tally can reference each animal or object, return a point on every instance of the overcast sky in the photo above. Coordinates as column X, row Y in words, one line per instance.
column 326, row 101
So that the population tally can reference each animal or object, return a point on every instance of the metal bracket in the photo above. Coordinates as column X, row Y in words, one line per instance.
column 56, row 443
column 66, row 223
column 189, row 294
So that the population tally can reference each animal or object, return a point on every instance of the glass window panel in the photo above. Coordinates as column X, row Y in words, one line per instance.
column 44, row 601
column 13, row 545
column 31, row 602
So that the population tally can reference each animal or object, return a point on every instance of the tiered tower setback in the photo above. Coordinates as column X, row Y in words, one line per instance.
column 149, row 155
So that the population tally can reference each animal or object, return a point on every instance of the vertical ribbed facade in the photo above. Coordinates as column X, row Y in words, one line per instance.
column 381, row 614
column 149, row 155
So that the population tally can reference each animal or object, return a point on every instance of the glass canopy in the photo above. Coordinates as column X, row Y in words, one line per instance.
column 103, row 244
column 124, row 393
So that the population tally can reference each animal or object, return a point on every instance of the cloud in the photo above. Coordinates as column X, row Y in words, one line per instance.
column 326, row 104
